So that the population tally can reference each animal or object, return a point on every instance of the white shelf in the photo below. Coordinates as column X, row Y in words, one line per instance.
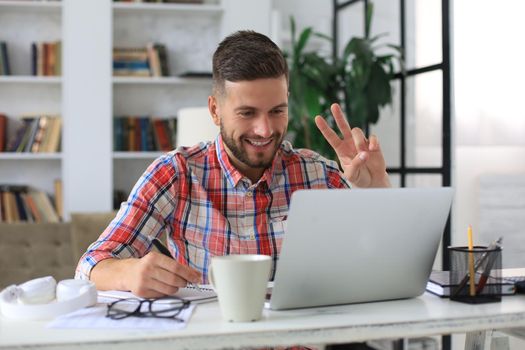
column 31, row 6
column 177, row 9
column 29, row 79
column 161, row 81
column 30, row 156
column 136, row 155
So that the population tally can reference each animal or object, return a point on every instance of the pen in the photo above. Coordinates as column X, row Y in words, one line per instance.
column 472, row 282
column 162, row 248
column 486, row 273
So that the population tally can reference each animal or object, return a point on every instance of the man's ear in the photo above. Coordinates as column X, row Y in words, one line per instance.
column 213, row 107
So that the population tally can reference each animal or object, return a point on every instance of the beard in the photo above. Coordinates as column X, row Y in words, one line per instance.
column 239, row 150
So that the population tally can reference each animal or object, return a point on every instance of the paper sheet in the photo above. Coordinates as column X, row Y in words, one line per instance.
column 95, row 317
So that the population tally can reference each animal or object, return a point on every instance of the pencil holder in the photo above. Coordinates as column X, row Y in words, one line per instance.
column 475, row 275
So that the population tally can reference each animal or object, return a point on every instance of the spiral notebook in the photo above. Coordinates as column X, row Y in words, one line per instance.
column 204, row 295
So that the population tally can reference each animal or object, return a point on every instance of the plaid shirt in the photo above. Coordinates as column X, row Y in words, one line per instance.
column 208, row 208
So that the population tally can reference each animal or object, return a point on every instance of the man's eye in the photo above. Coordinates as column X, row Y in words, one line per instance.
column 246, row 114
column 278, row 111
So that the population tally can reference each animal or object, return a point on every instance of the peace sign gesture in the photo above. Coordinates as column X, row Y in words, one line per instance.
column 361, row 159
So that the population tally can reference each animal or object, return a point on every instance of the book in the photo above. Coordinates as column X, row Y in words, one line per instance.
column 31, row 205
column 162, row 52
column 2, row 215
column 162, row 135
column 5, row 68
column 154, row 60
column 27, row 134
column 6, row 207
column 39, row 136
column 44, row 206
column 59, row 205
column 20, row 208
column 53, row 142
column 33, row 130
column 17, row 137
column 3, row 132
column 439, row 284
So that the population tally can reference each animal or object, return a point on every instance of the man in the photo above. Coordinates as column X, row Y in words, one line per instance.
column 230, row 196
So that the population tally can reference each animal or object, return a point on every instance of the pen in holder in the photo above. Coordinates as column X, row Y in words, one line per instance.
column 486, row 264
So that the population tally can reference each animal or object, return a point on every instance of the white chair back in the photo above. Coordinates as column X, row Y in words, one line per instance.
column 194, row 124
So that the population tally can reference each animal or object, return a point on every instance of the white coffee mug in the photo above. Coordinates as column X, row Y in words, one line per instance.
column 240, row 282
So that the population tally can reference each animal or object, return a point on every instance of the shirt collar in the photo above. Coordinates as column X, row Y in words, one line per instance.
column 233, row 175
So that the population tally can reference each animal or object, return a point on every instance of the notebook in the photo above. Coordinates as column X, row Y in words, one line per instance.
column 359, row 245
column 204, row 295
column 439, row 284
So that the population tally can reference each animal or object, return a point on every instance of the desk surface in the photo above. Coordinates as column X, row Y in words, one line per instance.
column 425, row 315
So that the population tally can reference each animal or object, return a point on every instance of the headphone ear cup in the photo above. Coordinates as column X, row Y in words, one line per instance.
column 69, row 289
column 37, row 291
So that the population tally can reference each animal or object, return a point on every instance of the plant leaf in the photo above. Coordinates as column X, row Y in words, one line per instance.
column 303, row 39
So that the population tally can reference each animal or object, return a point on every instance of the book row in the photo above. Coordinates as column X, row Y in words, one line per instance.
column 34, row 134
column 151, row 61
column 46, row 59
column 20, row 203
column 131, row 133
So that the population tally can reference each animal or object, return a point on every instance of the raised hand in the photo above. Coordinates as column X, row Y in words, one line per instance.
column 362, row 161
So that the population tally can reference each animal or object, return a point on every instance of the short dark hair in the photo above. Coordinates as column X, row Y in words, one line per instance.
column 247, row 55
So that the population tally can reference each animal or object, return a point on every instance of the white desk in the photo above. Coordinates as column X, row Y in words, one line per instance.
column 426, row 315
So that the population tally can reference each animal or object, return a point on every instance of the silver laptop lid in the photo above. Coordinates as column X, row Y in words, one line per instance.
column 349, row 246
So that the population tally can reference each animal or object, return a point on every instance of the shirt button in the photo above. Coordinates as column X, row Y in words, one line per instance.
column 249, row 194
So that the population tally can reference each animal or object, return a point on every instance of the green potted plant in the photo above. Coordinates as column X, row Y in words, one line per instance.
column 360, row 80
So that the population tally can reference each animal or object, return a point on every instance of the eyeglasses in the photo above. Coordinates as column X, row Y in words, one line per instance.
column 166, row 307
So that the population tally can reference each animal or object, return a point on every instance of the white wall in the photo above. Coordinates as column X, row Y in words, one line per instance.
column 490, row 120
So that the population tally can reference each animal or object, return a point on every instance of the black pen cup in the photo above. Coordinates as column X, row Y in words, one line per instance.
column 475, row 275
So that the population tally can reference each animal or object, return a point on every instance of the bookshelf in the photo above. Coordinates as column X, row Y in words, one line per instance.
column 136, row 155
column 22, row 79
column 30, row 156
column 21, row 94
column 31, row 6
column 87, row 96
column 190, row 33
column 169, row 8
column 185, row 82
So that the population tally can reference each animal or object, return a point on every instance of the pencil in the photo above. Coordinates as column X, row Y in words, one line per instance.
column 472, row 282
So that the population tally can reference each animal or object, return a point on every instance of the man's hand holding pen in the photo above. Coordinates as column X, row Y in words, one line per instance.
column 156, row 275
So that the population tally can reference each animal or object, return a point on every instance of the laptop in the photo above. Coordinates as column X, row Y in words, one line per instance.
column 359, row 245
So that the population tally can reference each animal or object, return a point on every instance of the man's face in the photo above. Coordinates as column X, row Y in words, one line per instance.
column 253, row 118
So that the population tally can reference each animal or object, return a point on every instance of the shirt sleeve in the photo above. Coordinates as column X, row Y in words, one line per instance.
column 335, row 178
column 142, row 217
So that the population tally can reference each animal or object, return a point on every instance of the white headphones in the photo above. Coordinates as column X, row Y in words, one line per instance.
column 43, row 298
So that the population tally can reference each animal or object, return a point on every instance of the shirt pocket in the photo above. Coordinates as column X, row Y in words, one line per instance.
column 278, row 228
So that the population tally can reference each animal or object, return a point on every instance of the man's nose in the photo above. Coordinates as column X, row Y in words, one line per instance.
column 263, row 127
